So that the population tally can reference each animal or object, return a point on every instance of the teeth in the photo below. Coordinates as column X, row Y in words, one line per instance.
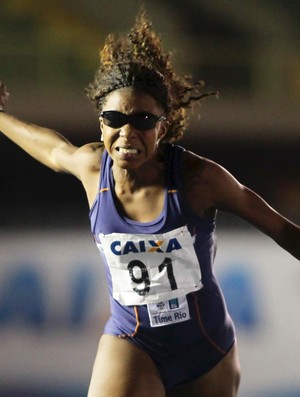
column 127, row 151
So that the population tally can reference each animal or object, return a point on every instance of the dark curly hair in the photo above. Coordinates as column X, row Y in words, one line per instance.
column 136, row 59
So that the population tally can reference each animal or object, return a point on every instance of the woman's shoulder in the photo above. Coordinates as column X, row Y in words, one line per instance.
column 195, row 165
column 90, row 154
column 89, row 158
column 92, row 147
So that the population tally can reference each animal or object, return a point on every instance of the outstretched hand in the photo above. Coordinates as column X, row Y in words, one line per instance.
column 4, row 94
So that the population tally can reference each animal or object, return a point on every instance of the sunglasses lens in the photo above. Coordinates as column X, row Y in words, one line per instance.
column 114, row 119
column 143, row 121
column 140, row 121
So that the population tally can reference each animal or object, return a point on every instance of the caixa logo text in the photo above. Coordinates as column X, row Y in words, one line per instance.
column 135, row 247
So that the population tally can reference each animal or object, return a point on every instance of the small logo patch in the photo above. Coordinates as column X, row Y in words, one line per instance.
column 173, row 304
column 169, row 312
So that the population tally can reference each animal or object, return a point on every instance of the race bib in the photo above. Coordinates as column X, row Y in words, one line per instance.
column 150, row 268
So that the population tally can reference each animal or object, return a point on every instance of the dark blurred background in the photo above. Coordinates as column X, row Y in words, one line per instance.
column 249, row 50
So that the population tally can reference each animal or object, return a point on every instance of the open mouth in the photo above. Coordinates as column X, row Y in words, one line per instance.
column 123, row 150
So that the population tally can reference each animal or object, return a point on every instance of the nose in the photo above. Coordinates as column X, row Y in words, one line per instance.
column 127, row 131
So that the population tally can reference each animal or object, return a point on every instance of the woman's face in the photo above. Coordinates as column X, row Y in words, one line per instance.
column 128, row 145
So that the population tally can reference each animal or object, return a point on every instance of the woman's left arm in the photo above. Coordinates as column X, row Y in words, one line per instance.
column 231, row 196
column 251, row 207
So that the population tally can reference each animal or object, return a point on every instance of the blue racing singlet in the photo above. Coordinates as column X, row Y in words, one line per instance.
column 164, row 296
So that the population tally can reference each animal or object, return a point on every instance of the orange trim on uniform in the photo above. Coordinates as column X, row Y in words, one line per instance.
column 124, row 336
column 203, row 329
column 137, row 321
column 104, row 189
column 172, row 191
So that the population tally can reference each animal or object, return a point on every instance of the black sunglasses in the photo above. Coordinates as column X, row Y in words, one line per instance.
column 140, row 121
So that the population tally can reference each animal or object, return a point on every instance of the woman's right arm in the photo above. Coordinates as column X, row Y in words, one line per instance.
column 45, row 145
